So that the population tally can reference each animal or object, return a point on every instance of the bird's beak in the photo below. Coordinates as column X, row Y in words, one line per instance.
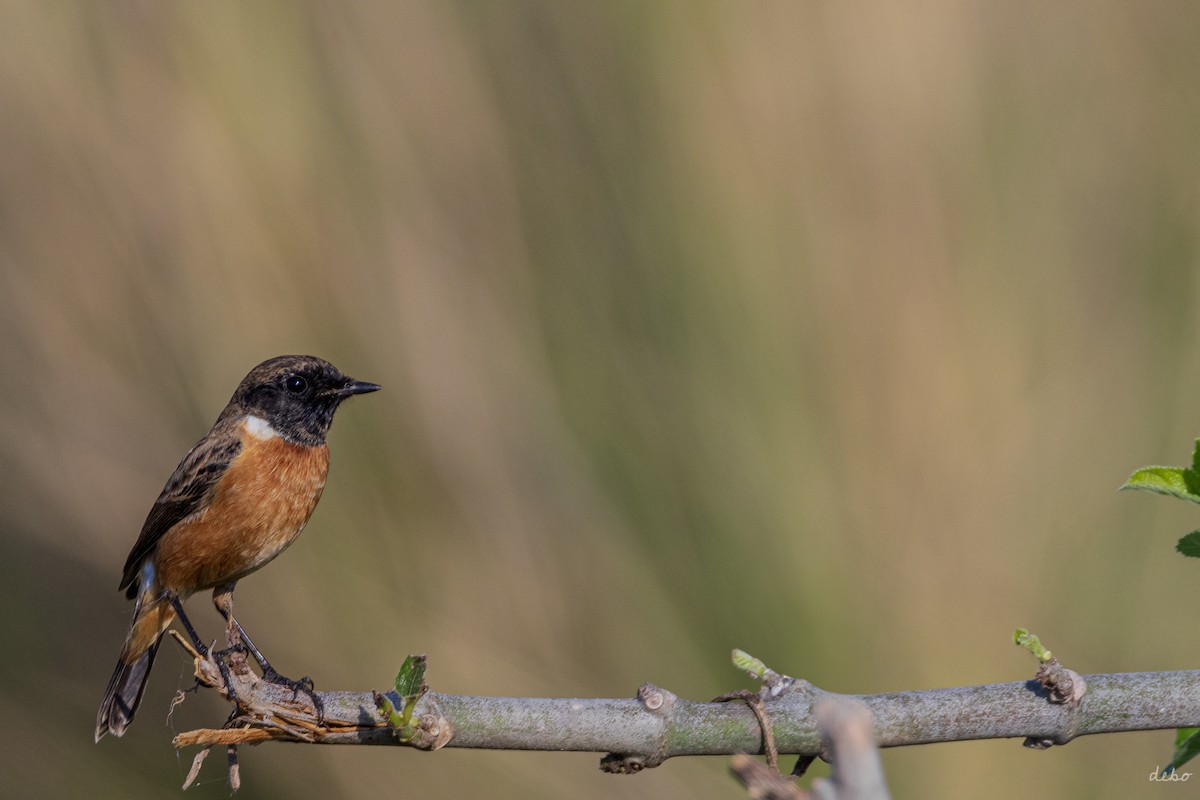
column 358, row 387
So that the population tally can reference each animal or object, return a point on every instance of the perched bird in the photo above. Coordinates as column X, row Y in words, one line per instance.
column 236, row 500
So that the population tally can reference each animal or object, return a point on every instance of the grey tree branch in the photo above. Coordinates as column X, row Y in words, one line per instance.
column 644, row 731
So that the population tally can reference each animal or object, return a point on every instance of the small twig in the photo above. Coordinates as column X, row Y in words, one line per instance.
column 194, row 772
column 758, row 706
column 763, row 782
column 857, row 770
column 845, row 728
column 235, row 772
column 208, row 737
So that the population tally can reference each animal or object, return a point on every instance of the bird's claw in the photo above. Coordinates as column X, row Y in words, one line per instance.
column 304, row 685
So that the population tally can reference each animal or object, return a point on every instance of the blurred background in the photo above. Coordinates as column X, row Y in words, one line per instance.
column 823, row 330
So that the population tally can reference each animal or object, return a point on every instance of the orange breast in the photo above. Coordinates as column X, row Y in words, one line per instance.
column 260, row 506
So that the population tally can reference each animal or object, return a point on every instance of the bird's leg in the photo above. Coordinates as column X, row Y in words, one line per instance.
column 240, row 642
column 187, row 624
column 235, row 636
column 204, row 650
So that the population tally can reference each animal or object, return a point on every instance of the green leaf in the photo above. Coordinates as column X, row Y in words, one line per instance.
column 1190, row 545
column 1187, row 745
column 1030, row 641
column 1173, row 481
column 410, row 682
column 410, row 685
column 749, row 664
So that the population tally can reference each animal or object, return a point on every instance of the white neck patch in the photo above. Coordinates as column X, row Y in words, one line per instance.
column 259, row 428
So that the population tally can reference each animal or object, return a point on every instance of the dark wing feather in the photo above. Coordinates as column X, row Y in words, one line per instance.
column 188, row 491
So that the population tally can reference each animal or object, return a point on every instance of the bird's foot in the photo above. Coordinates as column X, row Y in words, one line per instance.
column 218, row 657
column 305, row 685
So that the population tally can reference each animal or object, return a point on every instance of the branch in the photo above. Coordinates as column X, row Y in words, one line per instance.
column 646, row 730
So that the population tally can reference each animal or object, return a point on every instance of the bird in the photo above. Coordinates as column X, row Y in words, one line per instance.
column 234, row 503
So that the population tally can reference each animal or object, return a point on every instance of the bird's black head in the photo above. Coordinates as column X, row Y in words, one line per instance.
column 296, row 396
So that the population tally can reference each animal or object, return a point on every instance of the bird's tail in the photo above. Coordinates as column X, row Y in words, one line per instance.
column 151, row 617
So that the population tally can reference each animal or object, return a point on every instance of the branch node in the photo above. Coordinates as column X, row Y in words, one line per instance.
column 1063, row 686
column 774, row 684
column 434, row 731
column 660, row 703
column 623, row 764
column 656, row 700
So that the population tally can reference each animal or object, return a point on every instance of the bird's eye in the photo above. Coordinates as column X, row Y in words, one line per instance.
column 295, row 384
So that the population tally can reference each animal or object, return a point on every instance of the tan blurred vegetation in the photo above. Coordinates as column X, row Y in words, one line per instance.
column 822, row 330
